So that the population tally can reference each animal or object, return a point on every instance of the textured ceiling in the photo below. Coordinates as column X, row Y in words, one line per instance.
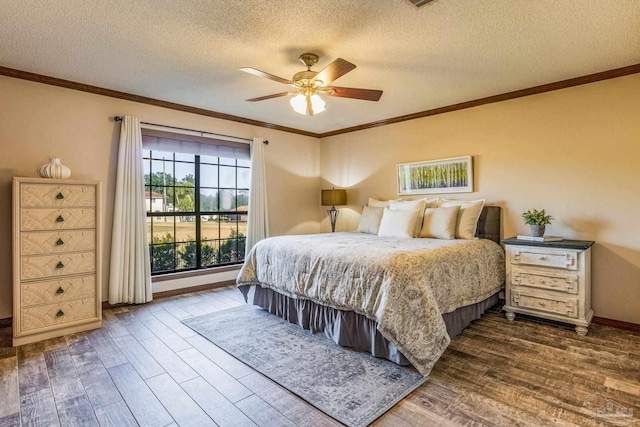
column 446, row 52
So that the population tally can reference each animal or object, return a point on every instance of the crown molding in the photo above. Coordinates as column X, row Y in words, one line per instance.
column 39, row 78
column 563, row 84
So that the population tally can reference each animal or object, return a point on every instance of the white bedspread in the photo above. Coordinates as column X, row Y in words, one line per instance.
column 403, row 284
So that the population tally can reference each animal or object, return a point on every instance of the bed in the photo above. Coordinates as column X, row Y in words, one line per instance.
column 401, row 299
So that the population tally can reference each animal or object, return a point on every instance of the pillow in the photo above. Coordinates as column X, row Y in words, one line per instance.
column 409, row 205
column 440, row 223
column 379, row 203
column 398, row 223
column 370, row 220
column 467, row 216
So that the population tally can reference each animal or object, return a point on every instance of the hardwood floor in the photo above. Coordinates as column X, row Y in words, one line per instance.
column 146, row 368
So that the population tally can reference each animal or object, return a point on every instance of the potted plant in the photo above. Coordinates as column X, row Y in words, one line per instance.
column 537, row 220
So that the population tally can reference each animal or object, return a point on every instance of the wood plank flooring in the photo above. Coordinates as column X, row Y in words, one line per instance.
column 146, row 368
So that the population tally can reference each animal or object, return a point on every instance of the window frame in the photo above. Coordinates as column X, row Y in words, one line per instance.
column 198, row 213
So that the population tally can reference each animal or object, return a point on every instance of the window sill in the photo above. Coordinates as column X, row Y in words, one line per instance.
column 196, row 273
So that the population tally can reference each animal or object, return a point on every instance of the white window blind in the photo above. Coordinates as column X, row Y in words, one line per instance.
column 158, row 140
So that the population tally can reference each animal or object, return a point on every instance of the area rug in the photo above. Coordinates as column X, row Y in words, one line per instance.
column 352, row 387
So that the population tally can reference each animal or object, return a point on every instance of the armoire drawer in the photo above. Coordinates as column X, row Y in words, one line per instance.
column 48, row 291
column 58, row 195
column 42, row 316
column 57, row 219
column 48, row 242
column 41, row 266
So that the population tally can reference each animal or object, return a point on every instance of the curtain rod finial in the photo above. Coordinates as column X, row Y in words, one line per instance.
column 265, row 142
column 117, row 119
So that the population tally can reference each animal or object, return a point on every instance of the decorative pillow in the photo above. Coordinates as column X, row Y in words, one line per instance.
column 440, row 223
column 467, row 216
column 379, row 203
column 370, row 220
column 398, row 223
column 409, row 205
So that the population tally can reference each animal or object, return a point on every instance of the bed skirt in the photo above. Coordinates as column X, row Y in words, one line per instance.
column 347, row 328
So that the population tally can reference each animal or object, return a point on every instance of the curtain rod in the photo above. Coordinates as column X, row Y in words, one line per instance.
column 266, row 142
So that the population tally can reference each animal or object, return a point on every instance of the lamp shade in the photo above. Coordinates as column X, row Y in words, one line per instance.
column 299, row 103
column 334, row 197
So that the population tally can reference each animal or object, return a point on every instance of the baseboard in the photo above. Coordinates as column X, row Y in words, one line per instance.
column 616, row 324
column 174, row 292
column 628, row 326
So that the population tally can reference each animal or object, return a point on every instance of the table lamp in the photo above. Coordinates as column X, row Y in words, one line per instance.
column 332, row 198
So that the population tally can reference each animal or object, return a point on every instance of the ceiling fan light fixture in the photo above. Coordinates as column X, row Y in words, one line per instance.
column 307, row 104
column 308, row 84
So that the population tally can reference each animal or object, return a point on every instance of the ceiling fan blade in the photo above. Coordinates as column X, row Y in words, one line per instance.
column 262, row 98
column 333, row 71
column 352, row 92
column 265, row 75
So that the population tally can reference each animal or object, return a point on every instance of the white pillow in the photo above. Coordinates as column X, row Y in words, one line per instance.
column 379, row 203
column 467, row 216
column 398, row 223
column 440, row 223
column 370, row 220
column 409, row 205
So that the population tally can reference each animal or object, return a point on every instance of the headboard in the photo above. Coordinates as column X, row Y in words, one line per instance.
column 489, row 223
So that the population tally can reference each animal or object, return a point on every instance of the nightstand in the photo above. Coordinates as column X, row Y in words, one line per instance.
column 551, row 280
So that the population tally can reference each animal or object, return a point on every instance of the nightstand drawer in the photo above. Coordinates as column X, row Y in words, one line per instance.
column 545, row 279
column 50, row 195
column 562, row 306
column 57, row 219
column 554, row 258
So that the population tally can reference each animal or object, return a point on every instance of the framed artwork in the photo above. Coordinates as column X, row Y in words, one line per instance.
column 454, row 175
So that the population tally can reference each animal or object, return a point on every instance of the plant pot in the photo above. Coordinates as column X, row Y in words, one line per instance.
column 537, row 230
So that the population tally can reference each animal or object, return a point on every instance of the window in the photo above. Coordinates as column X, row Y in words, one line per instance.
column 197, row 206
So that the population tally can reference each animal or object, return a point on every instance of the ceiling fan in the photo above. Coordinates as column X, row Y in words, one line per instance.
column 308, row 84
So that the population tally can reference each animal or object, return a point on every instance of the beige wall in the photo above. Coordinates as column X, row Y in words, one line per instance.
column 574, row 152
column 39, row 121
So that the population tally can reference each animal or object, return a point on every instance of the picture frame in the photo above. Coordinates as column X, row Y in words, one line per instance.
column 452, row 175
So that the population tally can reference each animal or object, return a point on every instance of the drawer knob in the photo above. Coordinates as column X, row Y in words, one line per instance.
column 59, row 242
column 60, row 313
column 59, row 264
column 60, row 196
column 542, row 304
column 60, row 290
column 542, row 257
column 60, row 219
column 542, row 281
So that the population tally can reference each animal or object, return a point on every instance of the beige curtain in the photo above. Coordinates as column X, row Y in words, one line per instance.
column 258, row 220
column 130, row 274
